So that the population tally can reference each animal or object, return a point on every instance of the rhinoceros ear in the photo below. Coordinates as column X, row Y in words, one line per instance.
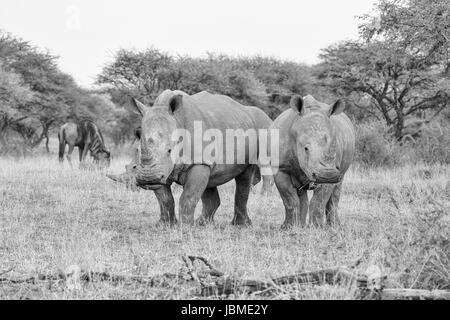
column 175, row 103
column 297, row 104
column 137, row 107
column 337, row 108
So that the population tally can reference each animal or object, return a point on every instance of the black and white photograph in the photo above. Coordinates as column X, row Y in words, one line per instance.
column 225, row 154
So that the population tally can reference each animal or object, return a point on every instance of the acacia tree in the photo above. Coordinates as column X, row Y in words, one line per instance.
column 138, row 73
column 13, row 92
column 35, row 96
column 31, row 112
column 421, row 27
column 392, row 64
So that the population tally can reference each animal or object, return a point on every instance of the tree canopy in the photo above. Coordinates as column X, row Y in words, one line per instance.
column 400, row 62
column 35, row 96
column 249, row 80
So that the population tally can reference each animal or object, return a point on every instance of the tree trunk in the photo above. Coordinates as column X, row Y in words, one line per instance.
column 399, row 124
column 3, row 144
column 46, row 142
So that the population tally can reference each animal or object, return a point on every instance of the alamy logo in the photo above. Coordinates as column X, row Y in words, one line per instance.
column 234, row 146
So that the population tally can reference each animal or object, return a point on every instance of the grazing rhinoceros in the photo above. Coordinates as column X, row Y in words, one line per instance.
column 156, row 170
column 316, row 147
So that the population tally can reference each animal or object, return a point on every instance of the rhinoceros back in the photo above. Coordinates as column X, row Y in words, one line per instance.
column 217, row 112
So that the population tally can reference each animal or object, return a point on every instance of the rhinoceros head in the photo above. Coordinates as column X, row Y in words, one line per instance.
column 155, row 163
column 314, row 138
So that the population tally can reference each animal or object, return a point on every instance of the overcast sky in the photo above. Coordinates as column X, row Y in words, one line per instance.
column 86, row 33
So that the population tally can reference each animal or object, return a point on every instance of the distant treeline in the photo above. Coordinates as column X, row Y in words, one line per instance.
column 396, row 73
column 36, row 97
column 255, row 80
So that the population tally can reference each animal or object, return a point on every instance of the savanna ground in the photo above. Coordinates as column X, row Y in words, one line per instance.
column 52, row 217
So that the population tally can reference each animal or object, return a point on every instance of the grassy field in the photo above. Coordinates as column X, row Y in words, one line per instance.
column 53, row 217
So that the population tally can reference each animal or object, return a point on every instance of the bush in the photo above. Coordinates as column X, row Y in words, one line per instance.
column 432, row 146
column 422, row 238
column 374, row 146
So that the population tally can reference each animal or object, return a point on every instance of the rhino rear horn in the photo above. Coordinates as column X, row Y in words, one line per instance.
column 137, row 107
column 297, row 104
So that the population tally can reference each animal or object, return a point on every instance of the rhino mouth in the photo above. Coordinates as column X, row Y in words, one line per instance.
column 150, row 186
column 144, row 184
column 327, row 176
column 150, row 175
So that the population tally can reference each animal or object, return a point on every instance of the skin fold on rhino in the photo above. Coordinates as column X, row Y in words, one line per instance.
column 152, row 167
column 316, row 148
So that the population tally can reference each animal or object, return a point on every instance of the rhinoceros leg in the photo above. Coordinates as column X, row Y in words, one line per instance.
column 211, row 201
column 194, row 187
column 332, row 205
column 267, row 185
column 318, row 202
column 243, row 185
column 291, row 200
column 166, row 205
column 304, row 205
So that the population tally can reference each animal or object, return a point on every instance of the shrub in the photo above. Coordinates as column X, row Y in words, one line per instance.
column 374, row 147
column 422, row 238
column 432, row 146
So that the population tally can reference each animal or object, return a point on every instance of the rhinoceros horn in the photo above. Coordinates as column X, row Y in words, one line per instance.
column 126, row 178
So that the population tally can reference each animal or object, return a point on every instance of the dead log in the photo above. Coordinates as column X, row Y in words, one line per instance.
column 326, row 276
column 370, row 285
column 212, row 282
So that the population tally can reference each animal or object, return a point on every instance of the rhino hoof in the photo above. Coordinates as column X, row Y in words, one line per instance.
column 165, row 223
column 241, row 222
column 202, row 221
column 287, row 226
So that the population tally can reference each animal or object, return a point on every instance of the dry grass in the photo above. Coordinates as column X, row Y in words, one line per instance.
column 52, row 217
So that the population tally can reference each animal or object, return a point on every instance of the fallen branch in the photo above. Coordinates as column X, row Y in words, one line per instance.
column 370, row 285
column 212, row 282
